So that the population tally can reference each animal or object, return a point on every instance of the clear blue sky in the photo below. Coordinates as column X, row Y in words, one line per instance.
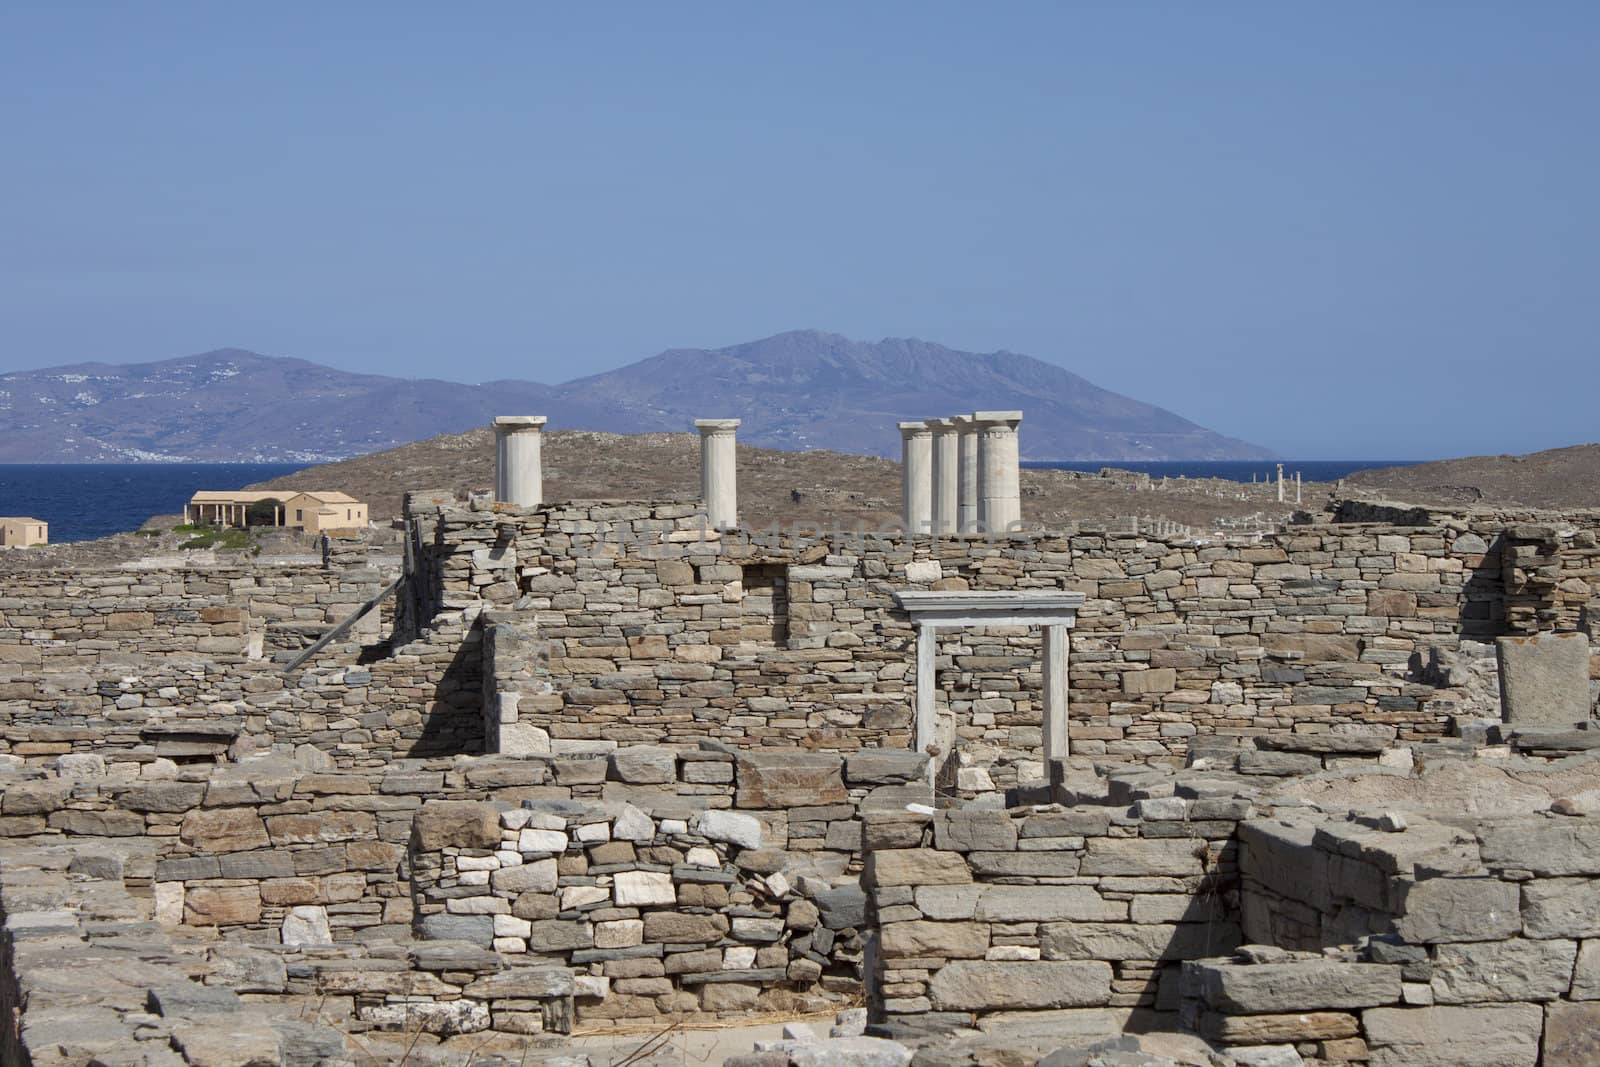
column 1339, row 230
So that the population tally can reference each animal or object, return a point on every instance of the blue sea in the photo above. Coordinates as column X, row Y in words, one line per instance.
column 82, row 501
column 1310, row 470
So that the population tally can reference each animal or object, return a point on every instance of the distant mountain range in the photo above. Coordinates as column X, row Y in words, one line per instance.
column 803, row 389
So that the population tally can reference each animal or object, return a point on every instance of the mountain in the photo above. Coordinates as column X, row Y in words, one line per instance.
column 797, row 390
column 1555, row 478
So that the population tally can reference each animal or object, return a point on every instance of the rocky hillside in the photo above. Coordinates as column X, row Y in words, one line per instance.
column 1556, row 478
column 797, row 390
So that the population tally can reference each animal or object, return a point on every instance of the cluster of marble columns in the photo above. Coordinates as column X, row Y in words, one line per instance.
column 960, row 474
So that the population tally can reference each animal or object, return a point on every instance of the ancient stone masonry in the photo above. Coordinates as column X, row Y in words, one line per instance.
column 659, row 631
column 1325, row 796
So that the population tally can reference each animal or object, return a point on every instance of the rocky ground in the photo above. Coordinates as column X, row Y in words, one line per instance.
column 1557, row 478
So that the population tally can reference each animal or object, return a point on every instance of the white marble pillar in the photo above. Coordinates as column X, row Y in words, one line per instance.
column 927, row 695
column 916, row 476
column 967, row 473
column 519, row 463
column 1056, row 743
column 719, row 472
column 946, row 475
column 999, row 480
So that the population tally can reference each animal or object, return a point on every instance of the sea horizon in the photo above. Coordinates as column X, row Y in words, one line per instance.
column 126, row 495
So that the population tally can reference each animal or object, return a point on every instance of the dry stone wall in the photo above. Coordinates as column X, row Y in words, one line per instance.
column 659, row 631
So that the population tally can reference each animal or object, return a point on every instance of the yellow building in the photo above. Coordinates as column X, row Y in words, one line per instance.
column 314, row 512
column 20, row 532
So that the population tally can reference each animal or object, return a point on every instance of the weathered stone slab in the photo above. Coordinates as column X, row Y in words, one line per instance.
column 1501, row 971
column 1571, row 1035
column 1270, row 1029
column 914, row 866
column 850, row 1052
column 885, row 766
column 731, row 826
column 439, row 824
column 1545, row 846
column 1307, row 985
column 1437, row 910
column 1544, row 679
column 224, row 830
column 1045, row 903
column 951, row 940
column 973, row 985
column 1586, row 975
column 1561, row 907
column 1479, row 1036
column 1143, row 857
column 1137, row 941
column 974, row 831
column 784, row 779
column 644, row 765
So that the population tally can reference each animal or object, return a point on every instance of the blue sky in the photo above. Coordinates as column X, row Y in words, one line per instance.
column 1341, row 230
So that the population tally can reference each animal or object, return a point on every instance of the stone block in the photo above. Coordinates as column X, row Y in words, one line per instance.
column 1291, row 1027
column 1561, row 907
column 305, row 926
column 885, row 766
column 1143, row 857
column 644, row 765
column 224, row 830
column 1137, row 941
column 976, row 985
column 222, row 905
column 951, row 940
column 1500, row 971
column 1544, row 679
column 538, row 876
column 1042, row 903
column 1571, row 1035
column 456, row 824
column 914, row 866
column 842, row 907
column 1485, row 1035
column 678, row 928
column 850, row 1052
column 1156, row 681
column 731, row 826
column 475, row 929
column 643, row 888
column 1305, row 985
column 1545, row 846
column 785, row 779
column 1437, row 910
column 1586, row 975
column 974, row 831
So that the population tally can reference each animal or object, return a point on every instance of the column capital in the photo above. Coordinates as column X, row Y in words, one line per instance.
column 909, row 430
column 993, row 420
column 516, row 423
column 960, row 422
column 939, row 426
column 713, row 427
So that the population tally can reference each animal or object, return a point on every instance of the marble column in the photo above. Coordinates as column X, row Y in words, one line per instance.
column 999, row 484
column 967, row 473
column 518, row 469
column 1056, row 743
column 916, row 476
column 719, row 472
column 946, row 475
column 926, row 725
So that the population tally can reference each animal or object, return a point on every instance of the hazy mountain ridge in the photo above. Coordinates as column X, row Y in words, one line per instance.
column 802, row 389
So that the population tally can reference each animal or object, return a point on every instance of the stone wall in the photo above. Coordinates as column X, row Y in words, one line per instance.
column 988, row 917
column 658, row 631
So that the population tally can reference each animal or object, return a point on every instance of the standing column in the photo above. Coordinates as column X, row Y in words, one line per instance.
column 927, row 695
column 719, row 472
column 946, row 475
column 967, row 473
column 1280, row 483
column 1056, row 744
column 999, row 485
column 519, row 471
column 916, row 476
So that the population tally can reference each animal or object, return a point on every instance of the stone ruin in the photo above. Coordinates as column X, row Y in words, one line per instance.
column 1326, row 796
